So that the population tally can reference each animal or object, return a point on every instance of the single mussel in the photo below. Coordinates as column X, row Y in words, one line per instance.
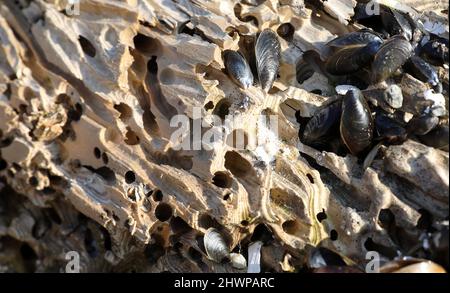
column 423, row 124
column 437, row 138
column 389, row 130
column 397, row 23
column 423, row 71
column 361, row 37
column 238, row 68
column 435, row 51
column 390, row 57
column 216, row 246
column 267, row 54
column 351, row 59
column 322, row 125
column 356, row 125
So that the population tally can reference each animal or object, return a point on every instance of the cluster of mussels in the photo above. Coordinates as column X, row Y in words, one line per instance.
column 377, row 57
column 267, row 56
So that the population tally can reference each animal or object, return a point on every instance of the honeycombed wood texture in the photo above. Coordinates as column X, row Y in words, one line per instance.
column 87, row 164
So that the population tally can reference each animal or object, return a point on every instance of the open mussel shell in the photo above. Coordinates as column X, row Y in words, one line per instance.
column 356, row 125
column 422, row 125
column 238, row 68
column 411, row 265
column 391, row 56
column 350, row 59
column 267, row 54
column 216, row 246
column 322, row 124
column 359, row 38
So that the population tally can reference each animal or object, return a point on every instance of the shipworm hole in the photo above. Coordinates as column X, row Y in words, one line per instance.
column 163, row 212
column 222, row 108
column 386, row 218
column 425, row 221
column 105, row 158
column 75, row 112
column 29, row 256
column 286, row 31
column 245, row 223
column 333, row 235
column 145, row 44
column 237, row 165
column 130, row 177
column 291, row 227
column 107, row 244
column 321, row 216
column 131, row 137
column 97, row 152
column 153, row 252
column 227, row 196
column 370, row 245
column 33, row 181
column 209, row 106
column 87, row 46
column 179, row 226
column 106, row 173
column 238, row 139
column 206, row 221
column 157, row 195
column 262, row 233
column 152, row 65
column 125, row 111
column 222, row 179
column 317, row 92
column 310, row 177
column 3, row 164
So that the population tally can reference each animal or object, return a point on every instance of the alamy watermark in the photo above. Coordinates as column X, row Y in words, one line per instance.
column 73, row 264
column 205, row 132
